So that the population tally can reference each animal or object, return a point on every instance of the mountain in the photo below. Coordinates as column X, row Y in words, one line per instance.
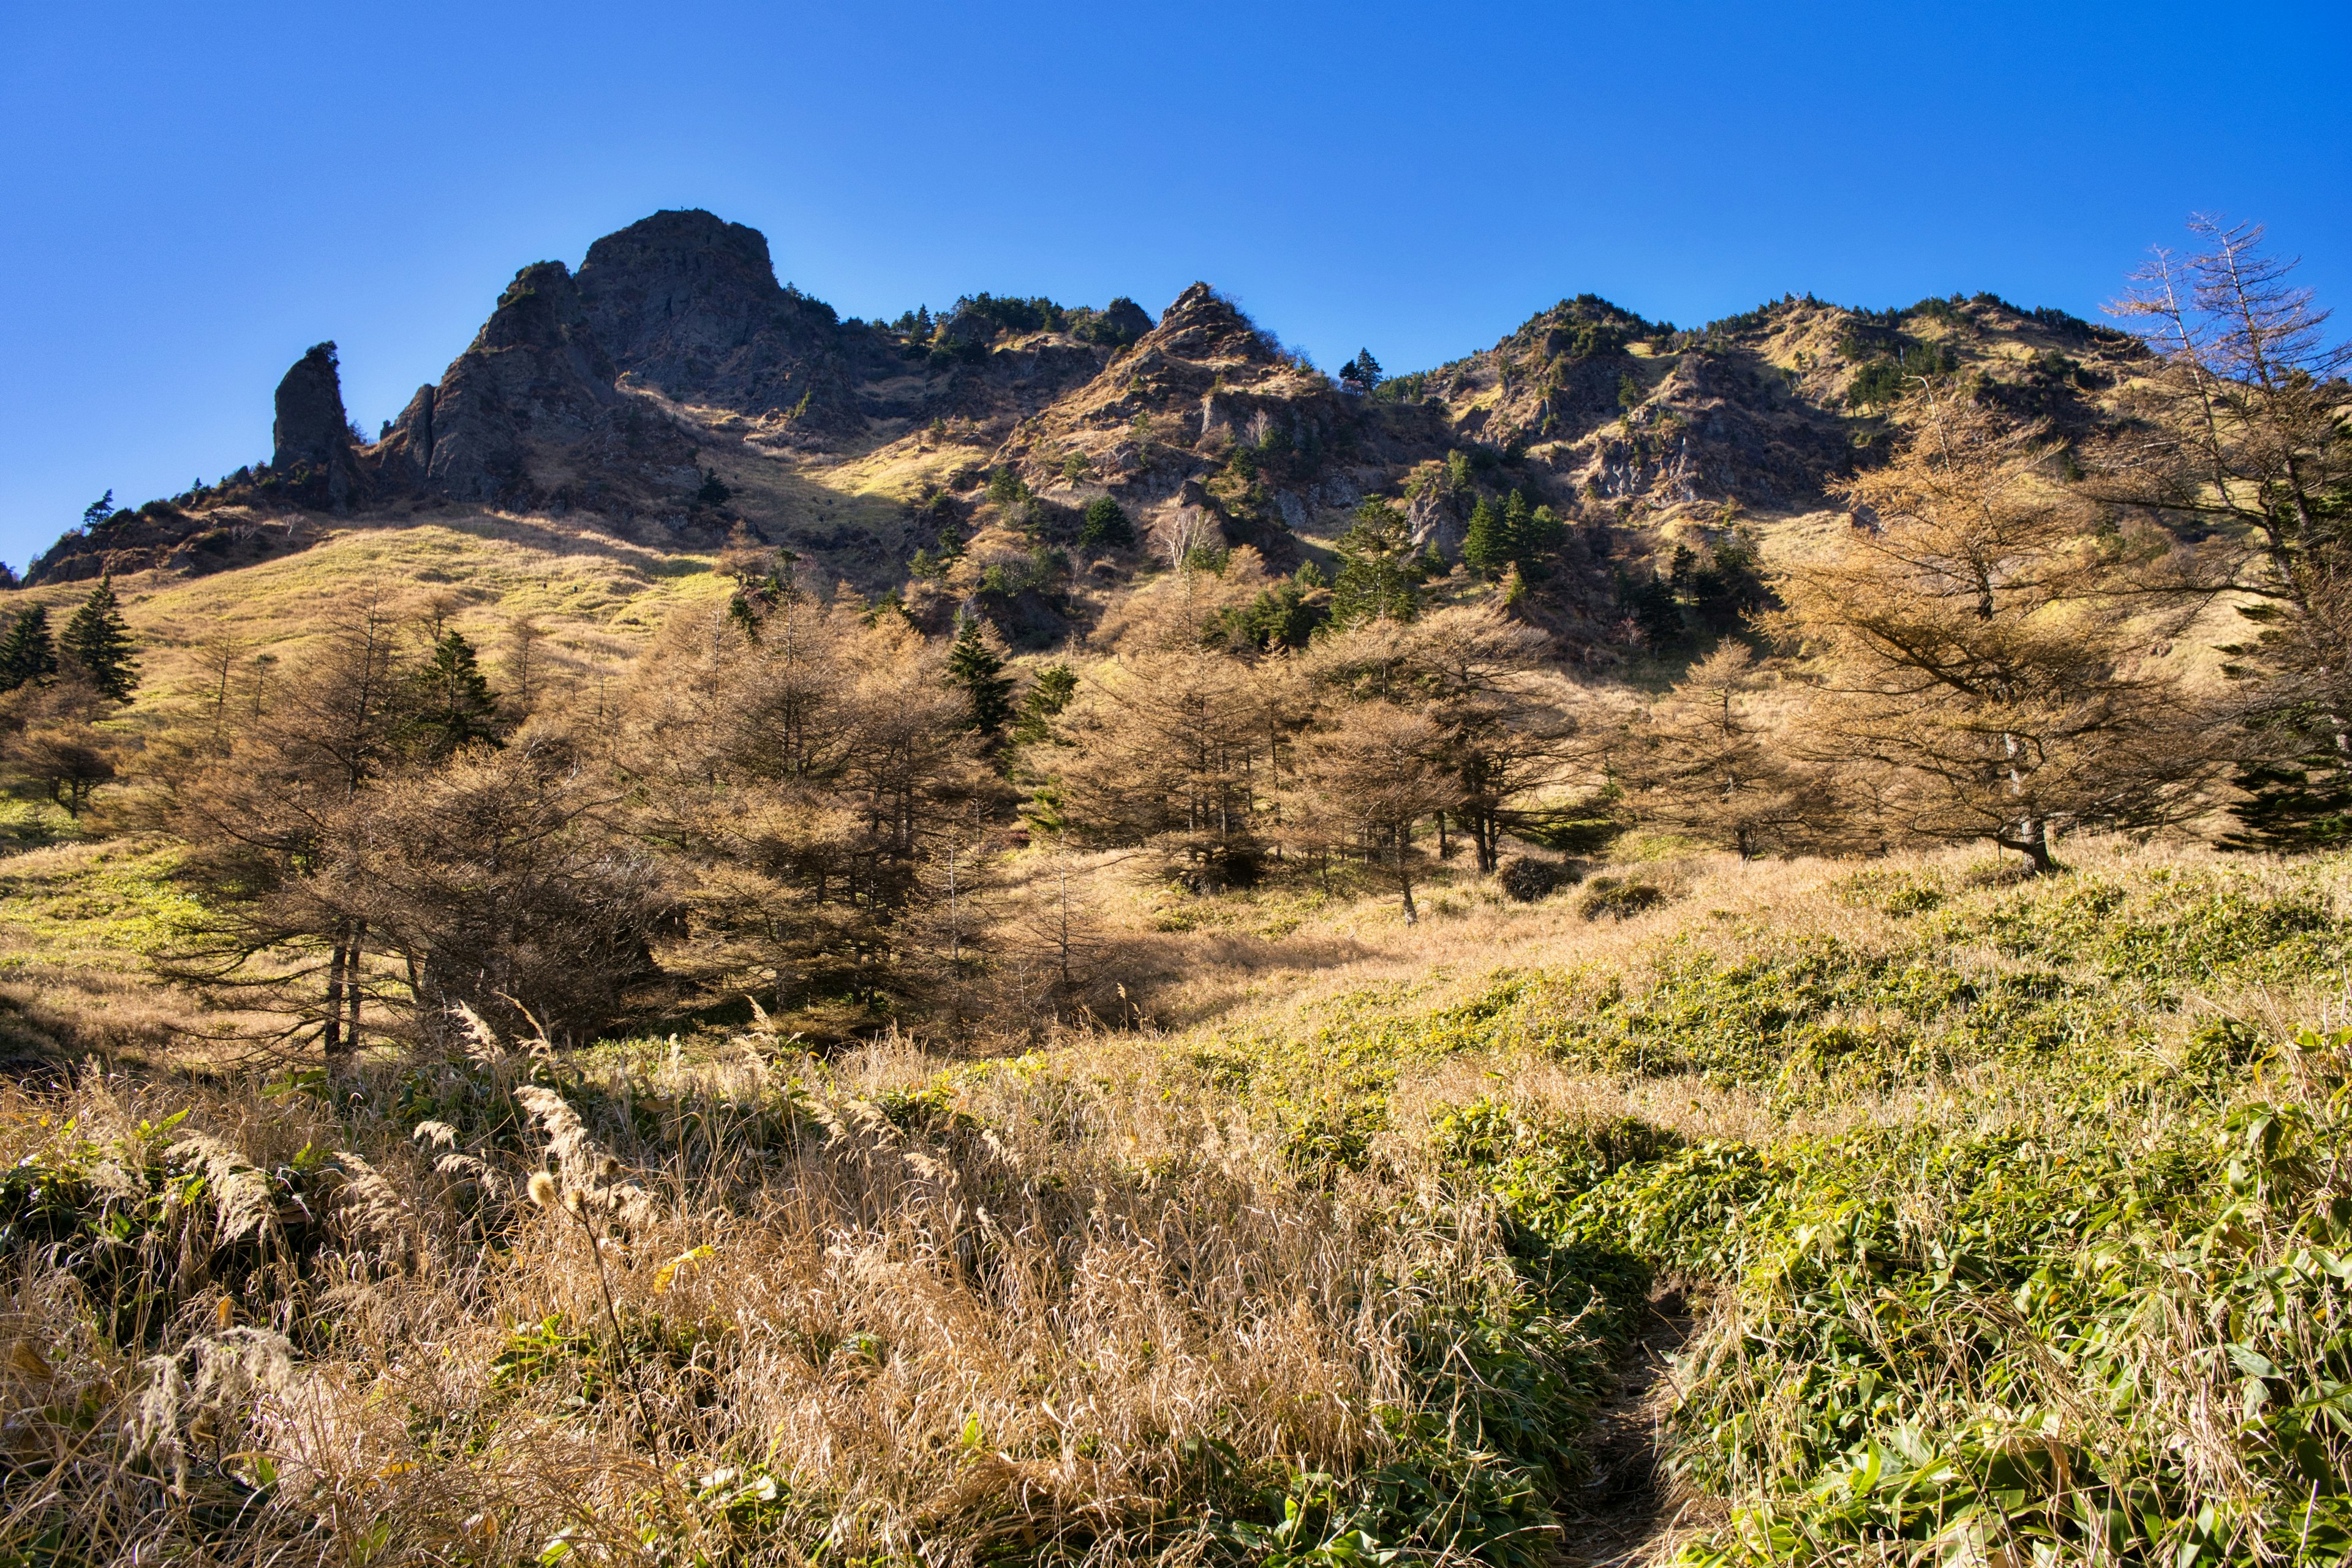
column 673, row 394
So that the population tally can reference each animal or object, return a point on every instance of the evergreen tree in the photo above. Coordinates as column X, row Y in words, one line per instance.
column 28, row 653
column 1486, row 547
column 98, row 640
column 1362, row 373
column 1377, row 579
column 454, row 704
column 1044, row 701
column 2302, row 805
column 1105, row 523
column 1518, row 525
column 1656, row 611
column 98, row 512
column 978, row 671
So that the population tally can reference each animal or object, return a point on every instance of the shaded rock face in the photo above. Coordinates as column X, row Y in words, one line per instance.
column 405, row 453
column 534, row 378
column 311, row 429
column 690, row 302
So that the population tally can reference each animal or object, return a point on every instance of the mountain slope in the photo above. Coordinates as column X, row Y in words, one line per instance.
column 673, row 396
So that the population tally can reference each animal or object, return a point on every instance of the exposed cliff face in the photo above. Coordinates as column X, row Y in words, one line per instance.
column 312, row 431
column 533, row 381
column 690, row 304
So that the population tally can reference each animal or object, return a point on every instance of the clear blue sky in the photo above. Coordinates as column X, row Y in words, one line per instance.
column 191, row 194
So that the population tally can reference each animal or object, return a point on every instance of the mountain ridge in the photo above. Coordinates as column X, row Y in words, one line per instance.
column 672, row 392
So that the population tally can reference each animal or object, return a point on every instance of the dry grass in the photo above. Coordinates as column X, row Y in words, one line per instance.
column 849, row 1323
column 897, row 1307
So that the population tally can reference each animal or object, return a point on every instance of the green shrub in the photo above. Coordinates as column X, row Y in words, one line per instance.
column 1615, row 898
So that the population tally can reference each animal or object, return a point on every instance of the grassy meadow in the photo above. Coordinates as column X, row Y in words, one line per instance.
column 1797, row 1211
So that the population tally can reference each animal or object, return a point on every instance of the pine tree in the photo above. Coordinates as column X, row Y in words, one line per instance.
column 1105, row 523
column 1377, row 579
column 978, row 671
column 1044, row 701
column 97, row 640
column 1486, row 547
column 1518, row 526
column 28, row 653
column 98, row 512
column 454, row 704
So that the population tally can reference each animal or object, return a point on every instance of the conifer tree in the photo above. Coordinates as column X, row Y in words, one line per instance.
column 1377, row 578
column 1706, row 761
column 98, row 641
column 1486, row 547
column 2241, row 431
column 28, row 652
column 455, row 706
column 1518, row 525
column 1988, row 646
column 978, row 671
column 1044, row 701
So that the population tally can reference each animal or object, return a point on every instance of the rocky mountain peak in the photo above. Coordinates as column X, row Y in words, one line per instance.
column 690, row 304
column 1202, row 324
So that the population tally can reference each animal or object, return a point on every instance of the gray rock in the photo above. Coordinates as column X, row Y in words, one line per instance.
column 690, row 302
column 311, row 429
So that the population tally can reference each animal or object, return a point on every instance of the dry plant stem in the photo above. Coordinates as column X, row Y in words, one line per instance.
column 621, row 1356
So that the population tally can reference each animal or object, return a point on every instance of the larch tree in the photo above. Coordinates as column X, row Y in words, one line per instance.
column 2242, row 432
column 1988, row 644
column 270, row 822
column 1479, row 676
column 1371, row 775
column 1706, row 760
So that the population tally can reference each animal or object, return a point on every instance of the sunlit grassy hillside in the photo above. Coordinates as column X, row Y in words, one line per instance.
column 596, row 597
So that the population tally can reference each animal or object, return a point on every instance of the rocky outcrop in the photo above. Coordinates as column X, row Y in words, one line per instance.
column 405, row 455
column 535, row 383
column 690, row 304
column 311, row 432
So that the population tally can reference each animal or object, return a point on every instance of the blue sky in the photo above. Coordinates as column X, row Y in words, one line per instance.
column 191, row 196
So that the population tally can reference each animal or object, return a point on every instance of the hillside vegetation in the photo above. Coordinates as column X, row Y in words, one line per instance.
column 2000, row 1218
column 1033, row 936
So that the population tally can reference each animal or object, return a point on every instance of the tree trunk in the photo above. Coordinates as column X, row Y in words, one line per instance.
column 332, row 1039
column 2031, row 838
column 1405, row 873
column 1486, row 833
column 352, row 993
